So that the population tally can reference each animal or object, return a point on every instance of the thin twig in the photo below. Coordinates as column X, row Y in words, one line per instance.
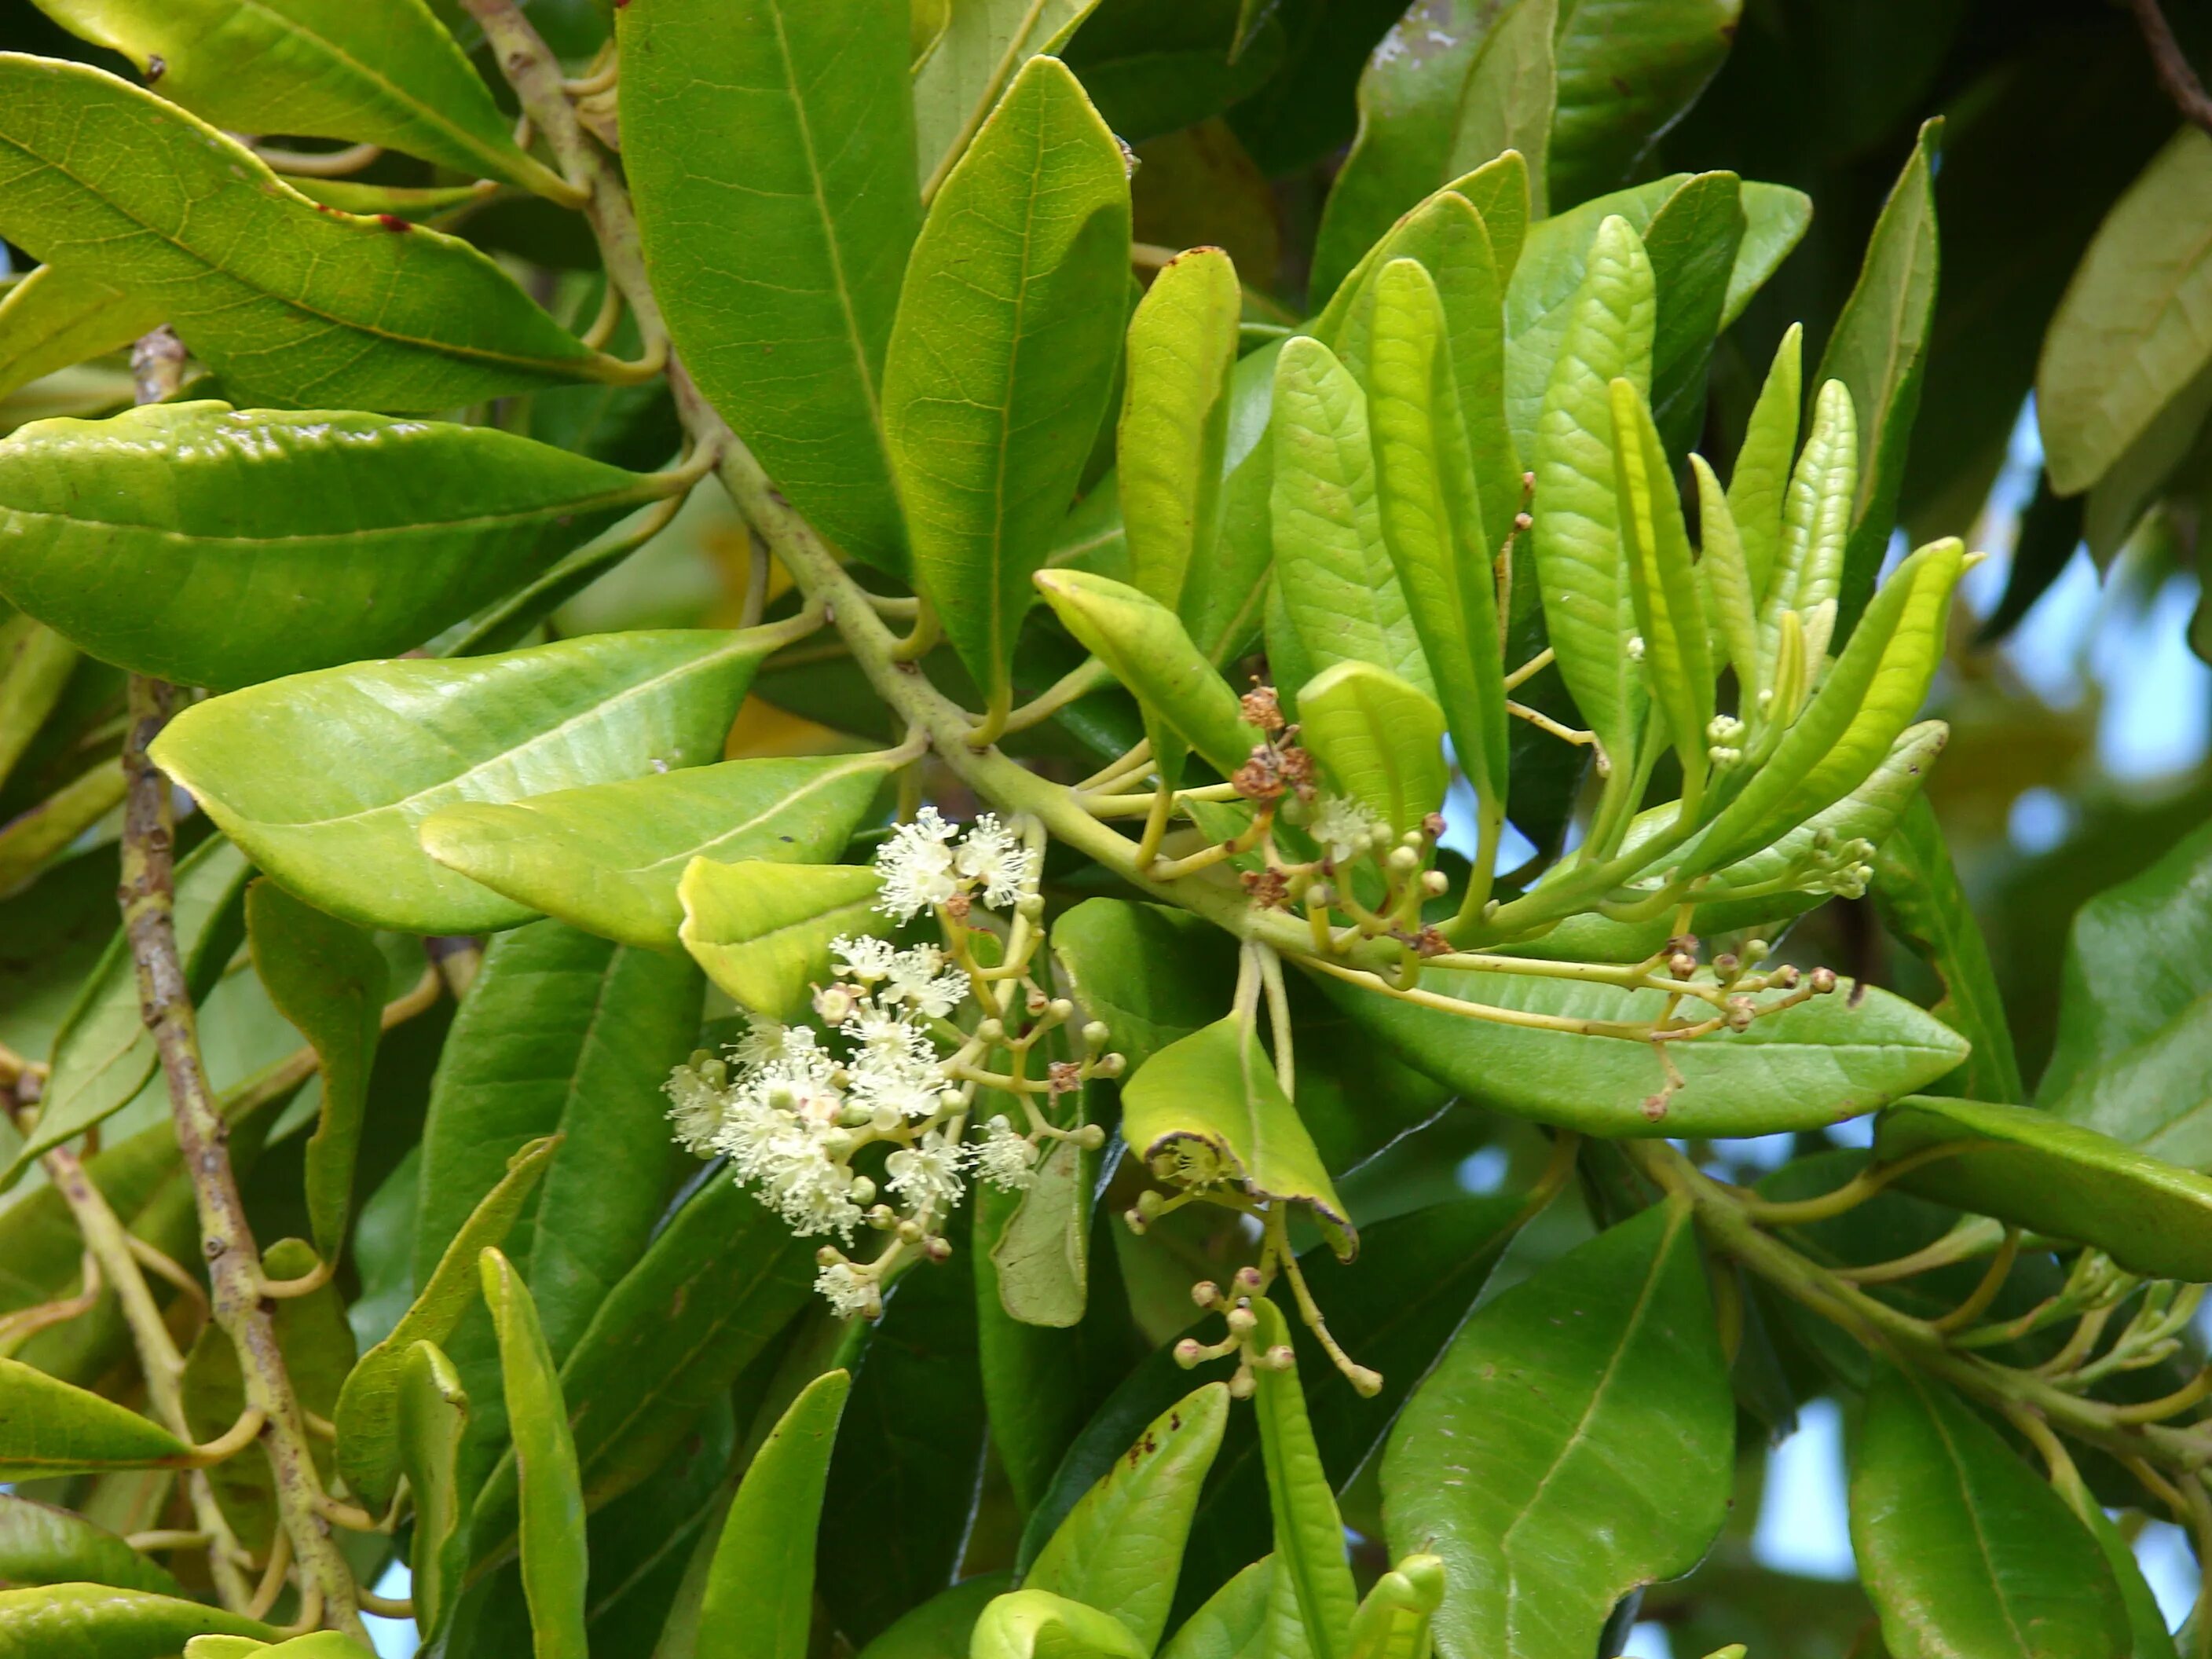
column 2173, row 65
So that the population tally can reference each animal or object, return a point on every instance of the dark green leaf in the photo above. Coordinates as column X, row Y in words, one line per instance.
column 430, row 1416
column 760, row 1592
column 49, row 1428
column 940, row 1627
column 1308, row 1533
column 42, row 1545
column 1627, row 69
column 1155, row 66
column 551, row 1503
column 1693, row 241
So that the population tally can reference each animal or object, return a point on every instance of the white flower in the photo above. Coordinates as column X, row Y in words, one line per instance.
column 1343, row 827
column 916, row 866
column 697, row 1100
column 1004, row 1158
column 922, row 977
column 794, row 1176
column 926, row 1175
column 995, row 855
column 846, row 1288
column 865, row 959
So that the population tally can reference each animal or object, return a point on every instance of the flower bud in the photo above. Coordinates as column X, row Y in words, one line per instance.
column 827, row 1256
column 1367, row 1383
column 885, row 1118
column 938, row 1248
column 1090, row 1137
column 1824, row 980
column 1434, row 883
column 1787, row 976
column 1242, row 1321
column 991, row 1031
column 1725, row 964
column 1404, row 859
column 834, row 1003
column 1205, row 1293
column 1150, row 1204
column 1241, row 1386
column 1030, row 905
column 1249, row 1282
column 1188, row 1353
column 1281, row 1357
column 1682, row 964
column 1112, row 1065
column 1096, row 1036
column 1134, row 1220
column 1756, row 949
column 909, row 1230
column 1061, row 1008
column 863, row 1191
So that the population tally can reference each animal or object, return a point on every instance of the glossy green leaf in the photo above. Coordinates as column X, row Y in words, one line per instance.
column 1121, row 1547
column 1308, row 1533
column 1155, row 67
column 1001, row 359
column 1175, row 419
column 940, row 1627
column 2146, row 1622
column 1597, row 1387
column 1662, row 583
column 1692, row 241
column 760, row 1592
column 1510, row 99
column 49, row 1428
column 1878, row 350
column 52, row 318
column 1223, row 600
column 1725, row 577
column 1042, row 1256
column 1964, row 1548
column 1434, row 519
column 1497, row 191
column 2051, row 1176
column 1379, row 741
column 429, row 1416
column 1209, row 1108
column 1332, row 567
column 1237, row 1621
column 369, row 1452
column 1394, row 1619
column 1627, row 69
column 609, row 858
column 1589, row 607
column 763, row 931
column 218, row 547
column 1034, row 1624
column 421, row 203
column 286, row 300
column 103, row 1054
column 1758, row 483
column 398, row 740
column 42, row 1545
column 771, row 150
column 224, row 1647
column 552, row 1502
column 102, row 1623
column 984, row 46
column 1816, row 518
column 329, row 979
column 387, row 75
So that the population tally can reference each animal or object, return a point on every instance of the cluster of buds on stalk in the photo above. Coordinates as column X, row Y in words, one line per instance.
column 1234, row 1306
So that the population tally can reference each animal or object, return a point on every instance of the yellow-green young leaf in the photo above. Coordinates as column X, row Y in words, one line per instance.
column 432, row 1412
column 1816, row 518
column 1433, row 523
column 386, row 74
column 1241, row 1619
column 1308, row 1533
column 1340, row 595
column 1034, row 1624
column 1868, row 697
column 1727, row 590
column 420, row 202
column 1961, row 1546
column 288, row 301
column 1175, row 419
column 762, row 931
column 608, row 858
column 1208, row 1110
column 321, row 1645
column 214, row 546
column 1121, row 1547
column 48, row 1428
column 982, row 46
column 224, row 1647
column 1760, row 483
column 329, row 979
column 1392, row 1622
column 1380, row 742
column 2051, row 1176
column 95, row 1620
column 771, row 150
column 1587, row 605
column 1497, row 191
column 369, row 1445
column 52, row 318
column 760, row 1590
column 42, row 1545
column 1670, row 616
column 1184, row 698
column 552, row 1502
column 398, row 740
column 1001, row 360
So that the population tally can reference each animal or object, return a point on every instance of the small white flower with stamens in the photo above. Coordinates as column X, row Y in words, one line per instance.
column 865, row 959
column 1345, row 828
column 922, row 977
column 916, row 866
column 846, row 1288
column 926, row 1175
column 995, row 855
column 1004, row 1158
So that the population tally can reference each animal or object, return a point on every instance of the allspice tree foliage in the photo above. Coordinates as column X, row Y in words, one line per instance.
column 856, row 751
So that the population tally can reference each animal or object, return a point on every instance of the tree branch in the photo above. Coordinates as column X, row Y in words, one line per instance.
column 2172, row 64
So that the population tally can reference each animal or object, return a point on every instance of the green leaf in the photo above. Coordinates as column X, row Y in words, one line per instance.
column 52, row 318
column 1963, row 1548
column 287, row 301
column 1497, row 191
column 42, row 1545
column 369, row 1452
column 1308, row 1533
column 1692, row 241
column 1759, row 484
column 103, row 1054
column 329, row 979
column 429, row 1416
column 763, row 931
column 1175, row 419
column 1155, row 67
column 1730, row 598
column 760, row 1592
column 984, row 46
column 1595, row 1387
column 417, row 735
column 940, row 1626
column 1662, row 583
column 1627, row 69
column 552, row 1502
column 1332, row 567
column 1588, row 608
column 609, row 858
column 1041, row 1258
column 1878, row 350
column 101, row 1622
column 48, row 1428
column 1121, row 1547
column 770, row 148
column 1001, row 359
column 2042, row 1173
column 1237, row 1621
column 1034, row 1624
column 1511, row 100
column 1815, row 519
column 388, row 74
column 1917, row 890
column 217, row 547
column 1394, row 1619
column 1380, row 742
column 2146, row 1622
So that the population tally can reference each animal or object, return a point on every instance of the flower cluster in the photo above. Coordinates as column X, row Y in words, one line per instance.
column 929, row 865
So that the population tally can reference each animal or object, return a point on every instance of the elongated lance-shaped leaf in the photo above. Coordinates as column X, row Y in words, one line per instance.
column 760, row 1590
column 1433, row 524
column 1380, row 742
column 1759, row 484
column 1175, row 419
column 552, row 1501
column 1693, row 240
column 1670, row 616
column 1001, row 359
column 1121, row 1547
column 1498, row 192
column 1816, row 519
column 286, row 300
column 51, row 318
column 214, row 546
column 762, row 931
column 1034, row 1624
column 56, row 1618
column 432, row 1412
column 771, row 149
column 1340, row 594
column 1726, row 590
column 1249, row 1616
column 49, row 1428
column 1308, row 1533
column 40, row 1544
column 387, row 74
column 1392, row 1622
column 1588, row 608
column 1511, row 100
column 969, row 65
